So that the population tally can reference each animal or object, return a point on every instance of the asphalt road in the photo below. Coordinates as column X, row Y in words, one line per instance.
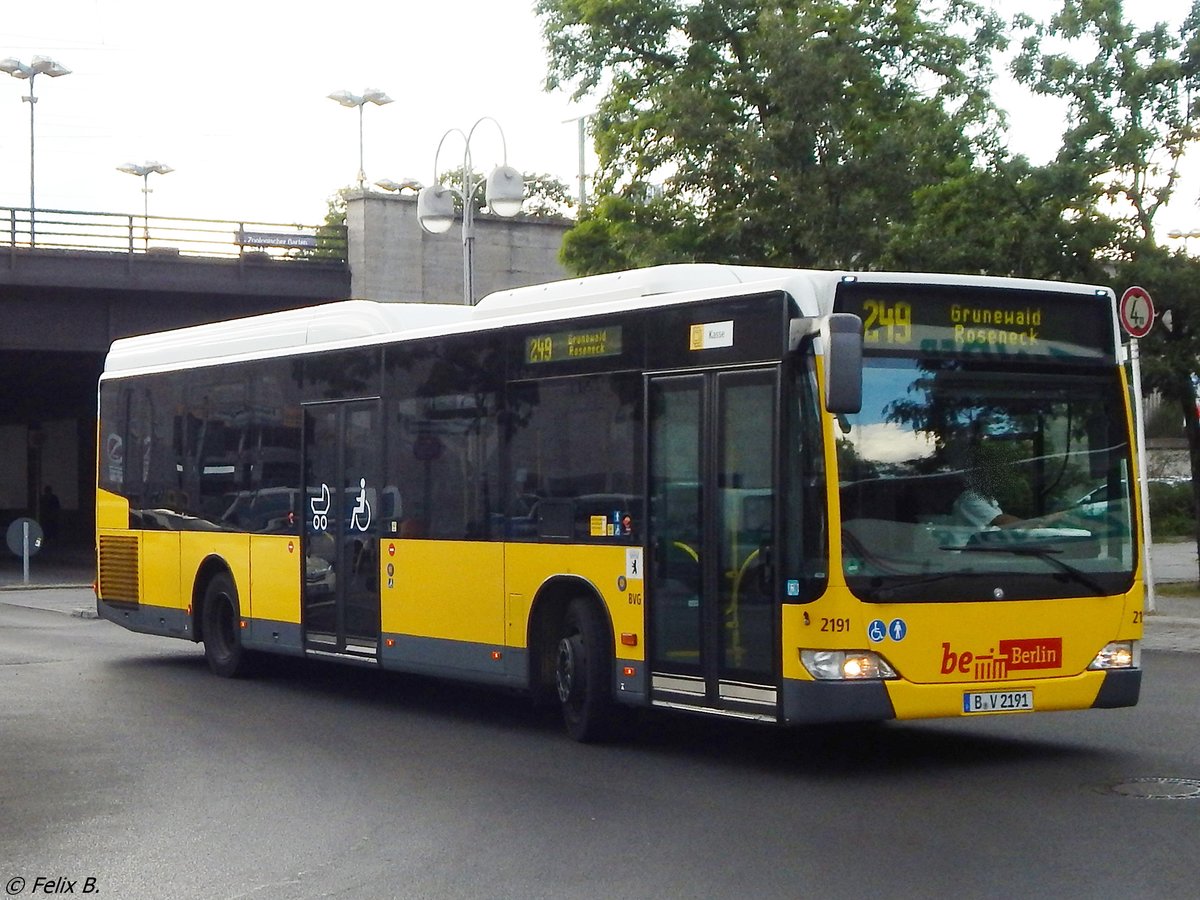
column 122, row 760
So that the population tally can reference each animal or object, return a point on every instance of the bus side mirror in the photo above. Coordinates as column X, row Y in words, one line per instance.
column 843, row 335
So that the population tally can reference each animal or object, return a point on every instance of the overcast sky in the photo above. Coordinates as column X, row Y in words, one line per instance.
column 233, row 95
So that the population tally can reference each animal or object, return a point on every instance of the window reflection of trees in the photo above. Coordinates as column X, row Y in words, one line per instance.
column 1032, row 442
column 1024, row 440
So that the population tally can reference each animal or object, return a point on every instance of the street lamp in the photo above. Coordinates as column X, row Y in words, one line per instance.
column 144, row 171
column 408, row 184
column 349, row 100
column 41, row 65
column 1176, row 235
column 504, row 192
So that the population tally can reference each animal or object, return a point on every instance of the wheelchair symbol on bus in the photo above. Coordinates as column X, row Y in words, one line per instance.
column 360, row 516
column 320, row 509
column 878, row 630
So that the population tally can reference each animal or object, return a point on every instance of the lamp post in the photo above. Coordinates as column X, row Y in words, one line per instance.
column 1176, row 235
column 349, row 100
column 144, row 171
column 396, row 187
column 504, row 192
column 41, row 65
column 581, row 123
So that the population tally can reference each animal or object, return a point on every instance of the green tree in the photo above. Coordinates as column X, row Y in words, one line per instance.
column 331, row 234
column 1006, row 218
column 1129, row 118
column 546, row 197
column 1170, row 357
column 1131, row 114
column 791, row 133
column 1130, row 107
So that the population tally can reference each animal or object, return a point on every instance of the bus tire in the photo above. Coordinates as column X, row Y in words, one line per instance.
column 221, row 629
column 582, row 673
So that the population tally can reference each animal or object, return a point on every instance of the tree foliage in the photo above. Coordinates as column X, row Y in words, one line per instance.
column 1008, row 218
column 862, row 133
column 331, row 233
column 1129, row 94
column 795, row 133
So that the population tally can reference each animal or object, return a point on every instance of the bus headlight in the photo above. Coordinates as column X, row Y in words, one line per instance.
column 1118, row 655
column 845, row 665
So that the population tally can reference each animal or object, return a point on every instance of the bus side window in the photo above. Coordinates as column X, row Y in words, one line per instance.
column 441, row 401
column 574, row 454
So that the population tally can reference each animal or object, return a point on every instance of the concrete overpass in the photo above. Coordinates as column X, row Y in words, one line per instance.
column 72, row 282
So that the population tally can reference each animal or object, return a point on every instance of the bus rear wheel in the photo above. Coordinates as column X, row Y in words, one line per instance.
column 581, row 673
column 221, row 629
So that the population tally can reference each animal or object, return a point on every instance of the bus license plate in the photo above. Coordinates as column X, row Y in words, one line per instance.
column 997, row 702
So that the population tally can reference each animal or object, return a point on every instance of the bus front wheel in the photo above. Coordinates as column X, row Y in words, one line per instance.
column 222, row 641
column 581, row 673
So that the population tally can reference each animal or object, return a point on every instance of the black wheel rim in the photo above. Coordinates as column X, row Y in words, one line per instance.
column 566, row 672
column 223, row 615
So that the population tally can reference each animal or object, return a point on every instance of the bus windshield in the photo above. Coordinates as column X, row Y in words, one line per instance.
column 976, row 479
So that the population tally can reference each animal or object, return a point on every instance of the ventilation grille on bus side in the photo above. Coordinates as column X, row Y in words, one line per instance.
column 119, row 569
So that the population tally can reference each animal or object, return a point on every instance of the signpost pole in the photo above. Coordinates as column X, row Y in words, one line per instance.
column 1139, row 417
column 25, row 550
column 1136, row 312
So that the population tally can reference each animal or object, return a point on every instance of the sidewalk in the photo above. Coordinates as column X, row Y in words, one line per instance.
column 65, row 567
column 57, row 581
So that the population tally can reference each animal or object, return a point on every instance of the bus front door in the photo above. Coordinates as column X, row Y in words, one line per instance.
column 341, row 528
column 712, row 617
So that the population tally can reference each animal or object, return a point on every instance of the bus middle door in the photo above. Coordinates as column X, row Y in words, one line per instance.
column 712, row 489
column 342, row 469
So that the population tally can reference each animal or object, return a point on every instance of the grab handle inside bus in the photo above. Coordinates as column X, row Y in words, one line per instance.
column 843, row 334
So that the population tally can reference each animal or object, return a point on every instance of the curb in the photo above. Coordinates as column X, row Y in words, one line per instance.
column 1179, row 621
column 46, row 586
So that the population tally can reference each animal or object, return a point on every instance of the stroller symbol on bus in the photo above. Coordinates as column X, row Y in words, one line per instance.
column 360, row 516
column 320, row 509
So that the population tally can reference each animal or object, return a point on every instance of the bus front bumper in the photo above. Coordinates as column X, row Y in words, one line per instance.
column 872, row 701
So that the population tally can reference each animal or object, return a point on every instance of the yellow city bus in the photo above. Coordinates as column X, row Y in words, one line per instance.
column 779, row 495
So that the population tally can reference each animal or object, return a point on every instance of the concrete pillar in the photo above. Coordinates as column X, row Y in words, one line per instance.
column 392, row 259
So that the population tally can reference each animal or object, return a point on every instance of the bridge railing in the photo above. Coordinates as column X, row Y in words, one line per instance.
column 165, row 236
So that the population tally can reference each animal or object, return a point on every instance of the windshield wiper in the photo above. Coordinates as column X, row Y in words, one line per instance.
column 1044, row 552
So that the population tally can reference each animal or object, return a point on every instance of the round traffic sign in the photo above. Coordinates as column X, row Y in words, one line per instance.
column 19, row 531
column 1136, row 311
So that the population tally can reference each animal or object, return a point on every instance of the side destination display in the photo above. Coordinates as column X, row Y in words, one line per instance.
column 583, row 343
column 930, row 320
